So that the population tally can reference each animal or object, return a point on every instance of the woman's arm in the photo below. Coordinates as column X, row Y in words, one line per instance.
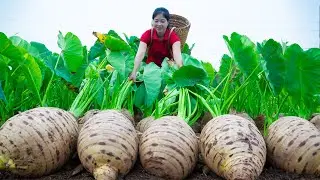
column 176, row 52
column 139, row 57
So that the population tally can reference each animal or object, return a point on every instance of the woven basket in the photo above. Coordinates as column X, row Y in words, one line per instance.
column 182, row 26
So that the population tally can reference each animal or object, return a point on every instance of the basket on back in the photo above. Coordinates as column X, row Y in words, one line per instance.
column 182, row 26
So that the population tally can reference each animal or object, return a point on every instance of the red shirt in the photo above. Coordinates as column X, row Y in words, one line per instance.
column 159, row 48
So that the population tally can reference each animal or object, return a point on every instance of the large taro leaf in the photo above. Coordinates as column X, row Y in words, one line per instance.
column 76, row 78
column 227, row 65
column 273, row 64
column 114, row 34
column 8, row 49
column 302, row 79
column 44, row 54
column 116, row 44
column 188, row 76
column 38, row 51
column 32, row 72
column 41, row 48
column 245, row 53
column 186, row 49
column 210, row 71
column 50, row 60
column 20, row 58
column 25, row 47
column 133, row 42
column 98, row 49
column 19, row 42
column 122, row 62
column 152, row 81
column 189, row 60
column 167, row 72
column 58, row 67
column 72, row 51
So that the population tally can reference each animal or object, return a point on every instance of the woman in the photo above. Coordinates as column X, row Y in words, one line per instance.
column 158, row 44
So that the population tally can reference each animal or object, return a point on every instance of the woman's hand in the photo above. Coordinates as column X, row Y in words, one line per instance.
column 176, row 51
column 171, row 62
column 133, row 76
column 137, row 60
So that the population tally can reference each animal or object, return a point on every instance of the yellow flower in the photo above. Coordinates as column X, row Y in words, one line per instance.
column 109, row 68
column 101, row 37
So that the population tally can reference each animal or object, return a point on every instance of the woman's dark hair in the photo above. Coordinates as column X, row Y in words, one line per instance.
column 163, row 11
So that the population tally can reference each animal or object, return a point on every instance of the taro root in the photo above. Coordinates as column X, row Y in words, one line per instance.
column 169, row 148
column 233, row 147
column 38, row 141
column 316, row 121
column 293, row 145
column 108, row 145
column 145, row 123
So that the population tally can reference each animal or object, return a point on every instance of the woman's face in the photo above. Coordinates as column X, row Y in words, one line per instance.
column 160, row 23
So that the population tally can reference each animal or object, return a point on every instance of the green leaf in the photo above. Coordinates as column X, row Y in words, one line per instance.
column 133, row 42
column 44, row 52
column 96, row 50
column 244, row 52
column 7, row 49
column 116, row 44
column 210, row 70
column 25, row 47
column 32, row 72
column 189, row 60
column 76, row 78
column 114, row 34
column 226, row 66
column 186, row 49
column 50, row 59
column 20, row 58
column 19, row 42
column 302, row 79
column 61, row 70
column 122, row 62
column 4, row 66
column 189, row 76
column 139, row 97
column 166, row 71
column 274, row 65
column 72, row 51
column 152, row 80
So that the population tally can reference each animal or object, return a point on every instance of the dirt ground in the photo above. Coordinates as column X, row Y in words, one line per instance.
column 138, row 173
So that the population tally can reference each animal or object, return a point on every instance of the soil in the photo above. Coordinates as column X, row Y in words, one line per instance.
column 138, row 173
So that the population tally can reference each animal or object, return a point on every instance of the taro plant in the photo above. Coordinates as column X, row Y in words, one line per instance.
column 148, row 88
column 21, row 78
column 293, row 75
column 183, row 93
column 117, row 56
column 268, row 79
column 34, row 76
